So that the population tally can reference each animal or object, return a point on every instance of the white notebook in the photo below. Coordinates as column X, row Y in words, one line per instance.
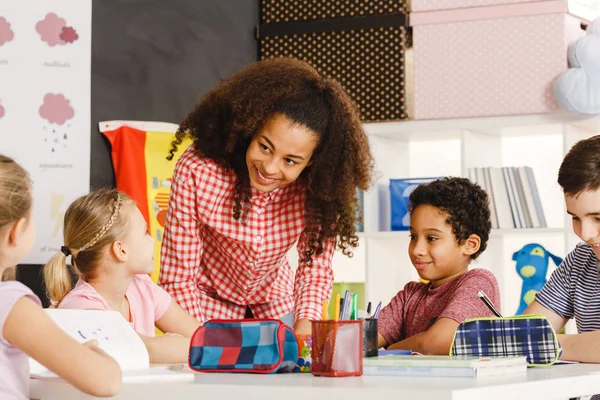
column 117, row 338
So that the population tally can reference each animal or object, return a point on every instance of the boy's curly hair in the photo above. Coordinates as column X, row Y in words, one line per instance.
column 465, row 203
column 226, row 118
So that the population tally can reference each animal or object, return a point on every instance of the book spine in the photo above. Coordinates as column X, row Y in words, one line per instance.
column 511, row 198
column 501, row 201
column 528, row 197
column 488, row 187
column 536, row 197
column 521, row 208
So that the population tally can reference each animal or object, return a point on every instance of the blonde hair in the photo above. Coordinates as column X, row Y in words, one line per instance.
column 15, row 191
column 91, row 222
column 9, row 274
column 15, row 198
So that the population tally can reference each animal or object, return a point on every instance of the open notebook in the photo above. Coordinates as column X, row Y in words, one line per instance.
column 117, row 338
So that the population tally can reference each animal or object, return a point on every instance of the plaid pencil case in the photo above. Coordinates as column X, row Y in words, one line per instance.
column 522, row 335
column 248, row 345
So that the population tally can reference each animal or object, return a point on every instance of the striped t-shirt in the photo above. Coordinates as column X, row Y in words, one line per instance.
column 574, row 289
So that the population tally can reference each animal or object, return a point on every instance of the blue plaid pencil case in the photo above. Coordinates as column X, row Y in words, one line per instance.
column 248, row 345
column 522, row 335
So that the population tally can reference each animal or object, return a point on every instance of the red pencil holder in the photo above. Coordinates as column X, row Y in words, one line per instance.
column 337, row 348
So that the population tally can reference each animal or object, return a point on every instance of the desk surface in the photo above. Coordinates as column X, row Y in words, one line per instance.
column 556, row 382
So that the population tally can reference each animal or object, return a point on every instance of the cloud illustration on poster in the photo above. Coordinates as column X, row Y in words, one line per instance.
column 68, row 34
column 56, row 109
column 54, row 31
column 6, row 33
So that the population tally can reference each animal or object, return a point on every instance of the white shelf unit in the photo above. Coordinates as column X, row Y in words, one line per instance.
column 411, row 149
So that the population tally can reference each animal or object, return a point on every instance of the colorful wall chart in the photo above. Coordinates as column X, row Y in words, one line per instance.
column 45, row 78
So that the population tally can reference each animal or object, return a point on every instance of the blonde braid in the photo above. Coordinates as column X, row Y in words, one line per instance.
column 106, row 227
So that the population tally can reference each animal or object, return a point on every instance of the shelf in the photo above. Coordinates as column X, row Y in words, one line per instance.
column 383, row 235
column 527, row 231
column 445, row 129
column 494, row 234
column 449, row 147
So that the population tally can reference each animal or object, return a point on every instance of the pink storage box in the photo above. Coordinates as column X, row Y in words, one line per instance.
column 490, row 57
column 581, row 8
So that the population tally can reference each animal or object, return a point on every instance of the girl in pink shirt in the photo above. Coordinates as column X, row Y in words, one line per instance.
column 25, row 329
column 107, row 239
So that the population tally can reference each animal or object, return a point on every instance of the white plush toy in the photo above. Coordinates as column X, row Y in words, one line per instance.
column 578, row 89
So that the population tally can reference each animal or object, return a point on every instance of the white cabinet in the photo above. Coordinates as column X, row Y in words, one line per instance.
column 413, row 149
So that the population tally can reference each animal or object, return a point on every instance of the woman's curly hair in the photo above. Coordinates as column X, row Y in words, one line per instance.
column 226, row 118
column 465, row 203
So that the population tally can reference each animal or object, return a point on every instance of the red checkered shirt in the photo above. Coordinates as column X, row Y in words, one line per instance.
column 214, row 266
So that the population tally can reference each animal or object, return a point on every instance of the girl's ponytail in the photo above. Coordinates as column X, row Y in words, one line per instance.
column 57, row 278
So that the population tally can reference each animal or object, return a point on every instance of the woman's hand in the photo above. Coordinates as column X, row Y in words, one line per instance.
column 303, row 327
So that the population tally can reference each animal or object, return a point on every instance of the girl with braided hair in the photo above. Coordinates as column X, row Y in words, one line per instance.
column 278, row 153
column 111, row 251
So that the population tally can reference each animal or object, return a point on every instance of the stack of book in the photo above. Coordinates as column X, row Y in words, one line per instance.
column 514, row 197
column 444, row 366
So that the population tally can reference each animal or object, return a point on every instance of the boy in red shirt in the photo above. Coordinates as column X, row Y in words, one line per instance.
column 449, row 227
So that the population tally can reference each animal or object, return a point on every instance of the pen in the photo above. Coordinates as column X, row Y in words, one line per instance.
column 395, row 352
column 346, row 306
column 377, row 310
column 354, row 308
column 336, row 307
column 369, row 308
column 488, row 303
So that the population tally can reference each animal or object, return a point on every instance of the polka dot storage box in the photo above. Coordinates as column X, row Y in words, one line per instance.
column 492, row 57
column 362, row 44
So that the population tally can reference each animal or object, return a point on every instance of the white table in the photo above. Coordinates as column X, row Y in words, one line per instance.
column 556, row 382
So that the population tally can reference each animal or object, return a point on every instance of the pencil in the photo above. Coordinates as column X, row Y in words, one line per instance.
column 488, row 303
column 325, row 311
column 336, row 307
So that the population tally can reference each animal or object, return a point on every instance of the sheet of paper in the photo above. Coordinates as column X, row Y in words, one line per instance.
column 113, row 333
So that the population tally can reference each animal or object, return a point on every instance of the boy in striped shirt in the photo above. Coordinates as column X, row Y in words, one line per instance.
column 573, row 290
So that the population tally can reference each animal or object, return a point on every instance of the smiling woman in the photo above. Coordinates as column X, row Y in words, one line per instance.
column 277, row 155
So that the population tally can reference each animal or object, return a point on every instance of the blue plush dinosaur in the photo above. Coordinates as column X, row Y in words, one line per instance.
column 532, row 266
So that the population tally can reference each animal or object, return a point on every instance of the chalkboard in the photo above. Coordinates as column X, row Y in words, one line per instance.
column 151, row 60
